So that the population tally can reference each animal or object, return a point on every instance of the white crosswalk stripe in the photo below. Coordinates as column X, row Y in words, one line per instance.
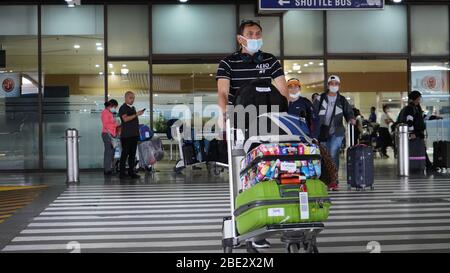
column 401, row 216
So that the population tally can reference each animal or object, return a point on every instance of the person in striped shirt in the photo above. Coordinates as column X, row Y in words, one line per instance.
column 247, row 64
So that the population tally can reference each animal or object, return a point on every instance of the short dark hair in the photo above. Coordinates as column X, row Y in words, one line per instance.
column 112, row 102
column 248, row 23
column 373, row 108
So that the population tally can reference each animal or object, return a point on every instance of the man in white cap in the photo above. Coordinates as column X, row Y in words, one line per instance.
column 330, row 109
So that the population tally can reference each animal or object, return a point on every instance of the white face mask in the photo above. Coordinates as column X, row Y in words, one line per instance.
column 295, row 96
column 114, row 110
column 334, row 89
column 253, row 45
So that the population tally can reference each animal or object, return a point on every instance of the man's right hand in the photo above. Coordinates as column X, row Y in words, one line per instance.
column 412, row 136
column 140, row 113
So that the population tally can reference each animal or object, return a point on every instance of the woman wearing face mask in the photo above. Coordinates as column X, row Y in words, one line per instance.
column 109, row 130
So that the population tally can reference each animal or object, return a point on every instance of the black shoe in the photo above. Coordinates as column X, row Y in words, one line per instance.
column 261, row 244
column 134, row 176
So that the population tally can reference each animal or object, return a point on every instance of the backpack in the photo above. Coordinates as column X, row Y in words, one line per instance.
column 145, row 133
column 260, row 93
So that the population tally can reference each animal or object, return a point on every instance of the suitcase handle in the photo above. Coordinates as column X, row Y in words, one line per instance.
column 287, row 190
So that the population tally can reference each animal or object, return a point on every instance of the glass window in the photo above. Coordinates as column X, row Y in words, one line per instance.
column 303, row 33
column 130, row 76
column 270, row 25
column 381, row 31
column 432, row 80
column 310, row 74
column 73, row 86
column 187, row 92
column 128, row 30
column 429, row 30
column 202, row 29
column 19, row 122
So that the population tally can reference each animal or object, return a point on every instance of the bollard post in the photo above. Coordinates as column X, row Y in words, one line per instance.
column 402, row 141
column 72, row 156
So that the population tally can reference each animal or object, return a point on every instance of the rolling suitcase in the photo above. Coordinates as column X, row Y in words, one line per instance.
column 417, row 155
column 441, row 151
column 360, row 167
column 269, row 203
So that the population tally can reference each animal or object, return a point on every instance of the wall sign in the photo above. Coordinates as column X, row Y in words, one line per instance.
column 320, row 4
column 9, row 85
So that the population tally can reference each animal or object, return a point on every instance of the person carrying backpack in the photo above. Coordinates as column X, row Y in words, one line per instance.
column 331, row 108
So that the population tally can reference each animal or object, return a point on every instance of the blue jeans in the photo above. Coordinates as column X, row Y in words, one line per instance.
column 333, row 146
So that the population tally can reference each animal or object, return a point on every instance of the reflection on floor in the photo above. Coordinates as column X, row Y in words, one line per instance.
column 13, row 198
column 407, row 215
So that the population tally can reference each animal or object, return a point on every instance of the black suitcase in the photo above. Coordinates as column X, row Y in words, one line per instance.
column 417, row 155
column 189, row 154
column 217, row 151
column 441, row 154
column 360, row 167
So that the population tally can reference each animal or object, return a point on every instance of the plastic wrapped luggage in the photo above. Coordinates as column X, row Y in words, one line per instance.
column 146, row 154
column 288, row 163
column 360, row 167
column 269, row 203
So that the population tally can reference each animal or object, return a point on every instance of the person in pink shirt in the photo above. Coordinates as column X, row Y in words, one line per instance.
column 110, row 129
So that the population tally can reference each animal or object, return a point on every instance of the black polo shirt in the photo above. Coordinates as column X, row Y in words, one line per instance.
column 239, row 72
column 130, row 128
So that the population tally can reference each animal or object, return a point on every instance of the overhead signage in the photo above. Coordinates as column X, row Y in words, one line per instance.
column 321, row 4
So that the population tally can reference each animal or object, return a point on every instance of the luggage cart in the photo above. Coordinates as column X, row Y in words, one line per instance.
column 295, row 236
column 217, row 167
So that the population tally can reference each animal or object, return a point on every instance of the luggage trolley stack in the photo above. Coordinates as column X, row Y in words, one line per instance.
column 297, row 235
column 188, row 155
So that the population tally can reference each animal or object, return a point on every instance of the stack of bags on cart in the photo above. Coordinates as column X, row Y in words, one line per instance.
column 280, row 174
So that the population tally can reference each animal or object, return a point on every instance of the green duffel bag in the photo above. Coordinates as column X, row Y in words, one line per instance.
column 268, row 203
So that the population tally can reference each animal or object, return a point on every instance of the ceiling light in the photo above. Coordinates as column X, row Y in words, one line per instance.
column 348, row 98
column 290, row 71
column 306, row 65
column 211, row 75
column 296, row 67
column 97, row 65
column 113, row 73
column 100, row 73
column 299, row 72
column 321, row 64
column 311, row 63
column 183, row 1
column 390, row 100
column 110, row 65
column 124, row 71
column 397, row 1
column 98, row 44
column 124, row 65
column 76, row 46
column 99, row 48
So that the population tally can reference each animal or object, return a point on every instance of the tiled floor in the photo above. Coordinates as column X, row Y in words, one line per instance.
column 165, row 212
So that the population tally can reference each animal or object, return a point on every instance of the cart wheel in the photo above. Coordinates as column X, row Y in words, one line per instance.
column 372, row 188
column 217, row 171
column 227, row 249
column 293, row 248
column 250, row 248
column 315, row 249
